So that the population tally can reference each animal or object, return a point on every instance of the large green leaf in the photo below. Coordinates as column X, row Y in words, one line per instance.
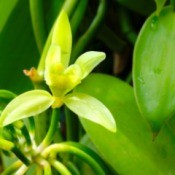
column 17, row 46
column 130, row 150
column 154, row 68
column 5, row 9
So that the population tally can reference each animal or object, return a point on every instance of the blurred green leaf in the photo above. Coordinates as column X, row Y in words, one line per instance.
column 8, row 5
column 130, row 150
column 17, row 46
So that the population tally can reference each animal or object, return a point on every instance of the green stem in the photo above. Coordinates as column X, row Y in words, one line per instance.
column 22, row 170
column 12, row 132
column 36, row 10
column 42, row 125
column 21, row 156
column 73, row 148
column 172, row 2
column 111, row 40
column 72, row 126
column 85, row 39
column 126, row 26
column 12, row 168
column 72, row 168
column 129, row 78
column 6, row 145
column 69, row 6
column 26, row 134
column 31, row 124
column 52, row 129
column 61, row 168
column 39, row 170
column 47, row 169
column 78, row 16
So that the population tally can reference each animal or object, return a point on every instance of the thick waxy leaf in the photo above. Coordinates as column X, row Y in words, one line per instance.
column 62, row 36
column 130, row 151
column 89, row 60
column 154, row 68
column 26, row 105
column 90, row 108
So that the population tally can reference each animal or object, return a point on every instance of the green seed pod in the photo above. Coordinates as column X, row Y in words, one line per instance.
column 154, row 68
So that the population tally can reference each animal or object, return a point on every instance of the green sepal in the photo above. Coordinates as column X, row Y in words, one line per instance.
column 90, row 108
column 88, row 61
column 62, row 37
column 25, row 105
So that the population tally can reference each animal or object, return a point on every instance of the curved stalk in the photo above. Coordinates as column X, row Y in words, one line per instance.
column 61, row 168
column 39, row 171
column 88, row 35
column 72, row 125
column 21, row 156
column 22, row 170
column 75, row 150
column 126, row 26
column 78, row 16
column 69, row 6
column 52, row 129
column 6, row 145
column 72, row 168
column 12, row 168
column 36, row 11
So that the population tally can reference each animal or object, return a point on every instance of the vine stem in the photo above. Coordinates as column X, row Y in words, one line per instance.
column 69, row 6
column 39, row 170
column 72, row 126
column 88, row 35
column 126, row 26
column 22, row 170
column 6, row 145
column 53, row 127
column 78, row 16
column 12, row 168
column 37, row 16
column 60, row 167
column 73, row 148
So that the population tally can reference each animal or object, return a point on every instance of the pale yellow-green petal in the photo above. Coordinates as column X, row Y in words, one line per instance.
column 53, row 66
column 89, row 60
column 25, row 105
column 90, row 108
column 62, row 36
